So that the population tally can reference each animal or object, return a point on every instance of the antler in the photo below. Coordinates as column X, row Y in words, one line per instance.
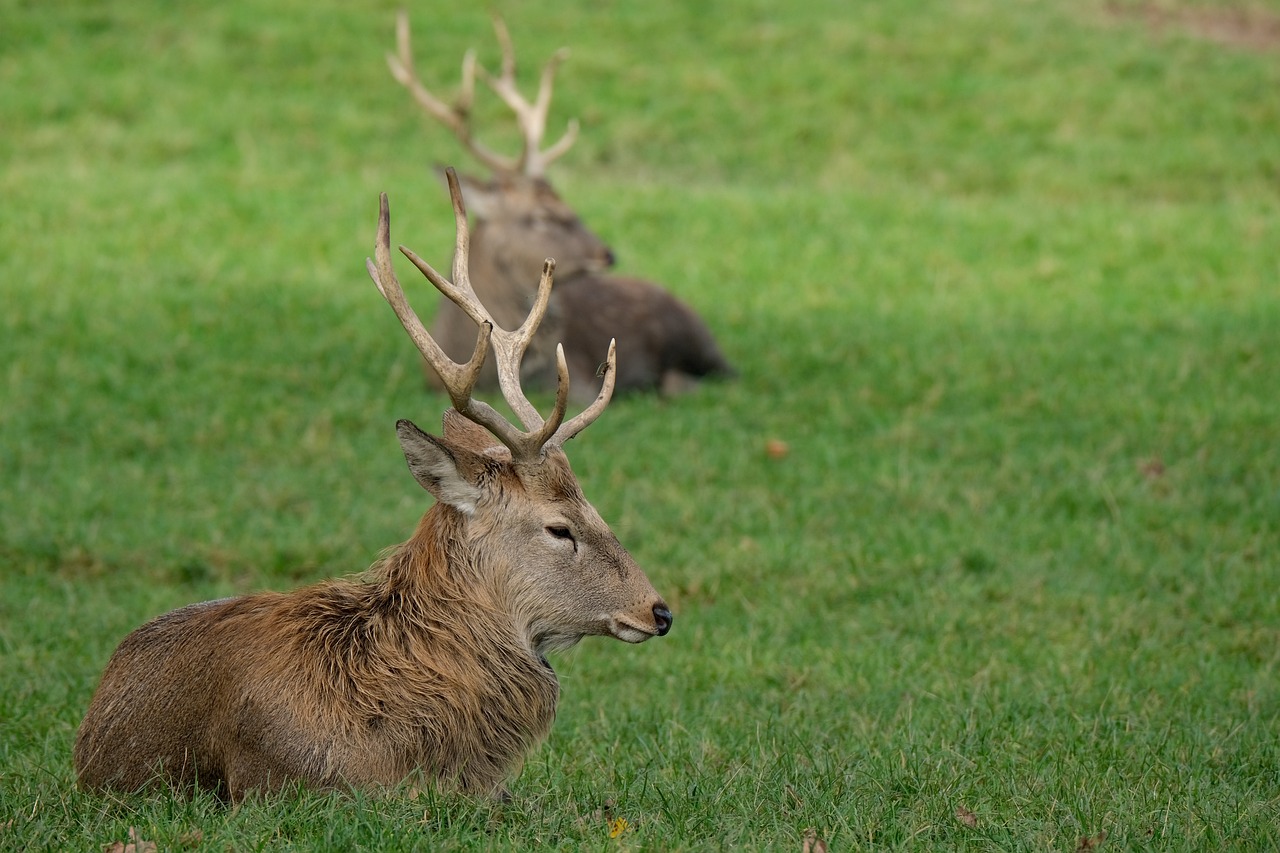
column 531, row 117
column 538, row 435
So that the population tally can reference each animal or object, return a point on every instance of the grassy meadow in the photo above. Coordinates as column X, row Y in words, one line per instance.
column 980, row 551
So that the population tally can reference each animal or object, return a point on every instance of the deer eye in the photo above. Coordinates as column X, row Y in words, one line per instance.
column 559, row 531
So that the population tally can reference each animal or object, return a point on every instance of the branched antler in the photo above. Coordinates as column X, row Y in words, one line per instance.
column 531, row 117
column 508, row 347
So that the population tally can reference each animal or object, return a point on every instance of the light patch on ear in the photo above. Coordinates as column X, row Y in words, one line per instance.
column 435, row 468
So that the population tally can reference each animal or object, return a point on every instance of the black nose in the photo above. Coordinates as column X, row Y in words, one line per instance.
column 609, row 258
column 662, row 618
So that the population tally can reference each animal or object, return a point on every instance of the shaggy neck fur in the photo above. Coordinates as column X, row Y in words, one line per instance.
column 424, row 655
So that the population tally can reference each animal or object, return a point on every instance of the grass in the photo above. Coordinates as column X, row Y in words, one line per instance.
column 1003, row 278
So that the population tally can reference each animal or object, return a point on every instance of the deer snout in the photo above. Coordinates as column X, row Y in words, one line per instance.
column 662, row 619
column 635, row 626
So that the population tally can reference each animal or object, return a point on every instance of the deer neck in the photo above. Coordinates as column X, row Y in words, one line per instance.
column 456, row 642
column 453, row 598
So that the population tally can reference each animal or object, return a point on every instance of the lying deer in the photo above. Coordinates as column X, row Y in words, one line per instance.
column 434, row 666
column 662, row 343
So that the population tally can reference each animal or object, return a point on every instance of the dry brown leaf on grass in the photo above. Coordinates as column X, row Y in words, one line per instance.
column 135, row 845
column 794, row 797
column 776, row 448
column 1091, row 842
column 966, row 817
column 812, row 843
column 1152, row 469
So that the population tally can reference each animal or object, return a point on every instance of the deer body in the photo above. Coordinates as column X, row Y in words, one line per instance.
column 663, row 345
column 344, row 684
column 432, row 667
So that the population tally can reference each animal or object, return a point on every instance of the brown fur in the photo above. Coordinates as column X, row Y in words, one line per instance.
column 519, row 222
column 430, row 667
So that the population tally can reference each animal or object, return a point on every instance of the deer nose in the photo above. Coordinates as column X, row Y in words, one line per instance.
column 609, row 258
column 662, row 619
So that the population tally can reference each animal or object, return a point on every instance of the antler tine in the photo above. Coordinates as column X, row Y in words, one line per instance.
column 508, row 47
column 545, row 86
column 509, row 347
column 588, row 415
column 531, row 117
column 456, row 117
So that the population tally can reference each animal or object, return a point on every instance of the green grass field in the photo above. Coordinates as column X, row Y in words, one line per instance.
column 1003, row 277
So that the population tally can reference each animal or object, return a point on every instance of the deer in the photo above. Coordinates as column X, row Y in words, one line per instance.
column 664, row 345
column 431, row 668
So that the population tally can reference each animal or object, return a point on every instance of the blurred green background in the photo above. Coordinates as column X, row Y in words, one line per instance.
column 979, row 551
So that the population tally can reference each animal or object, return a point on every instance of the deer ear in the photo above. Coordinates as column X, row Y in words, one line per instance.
column 482, row 198
column 439, row 468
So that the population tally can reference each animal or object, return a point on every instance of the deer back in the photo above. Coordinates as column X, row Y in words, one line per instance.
column 663, row 345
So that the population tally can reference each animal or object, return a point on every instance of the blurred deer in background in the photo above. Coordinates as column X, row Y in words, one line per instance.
column 434, row 666
column 520, row 220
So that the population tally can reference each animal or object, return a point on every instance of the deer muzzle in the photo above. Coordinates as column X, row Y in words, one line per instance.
column 629, row 629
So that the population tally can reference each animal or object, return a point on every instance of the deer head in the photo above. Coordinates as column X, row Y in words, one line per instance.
column 553, row 557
